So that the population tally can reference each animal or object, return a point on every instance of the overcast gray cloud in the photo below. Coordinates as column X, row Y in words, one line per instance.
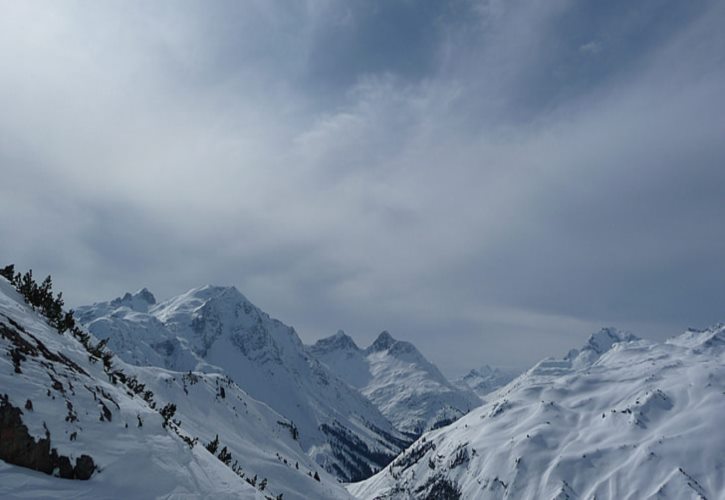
column 491, row 180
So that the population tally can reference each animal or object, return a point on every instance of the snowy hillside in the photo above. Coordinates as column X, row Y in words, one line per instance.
column 263, row 444
column 485, row 380
column 217, row 330
column 406, row 387
column 614, row 420
column 119, row 426
column 59, row 411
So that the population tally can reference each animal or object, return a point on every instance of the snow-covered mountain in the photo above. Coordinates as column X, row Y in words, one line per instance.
column 217, row 330
column 136, row 336
column 64, row 411
column 394, row 375
column 620, row 418
column 598, row 344
column 485, row 380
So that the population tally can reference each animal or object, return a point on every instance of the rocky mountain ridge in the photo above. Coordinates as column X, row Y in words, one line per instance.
column 398, row 379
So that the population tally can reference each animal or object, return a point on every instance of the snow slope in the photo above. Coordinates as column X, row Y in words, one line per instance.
column 74, row 405
column 394, row 375
column 485, row 380
column 260, row 440
column 217, row 330
column 619, row 419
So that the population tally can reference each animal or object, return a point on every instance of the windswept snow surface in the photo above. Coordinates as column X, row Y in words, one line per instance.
column 217, row 330
column 620, row 418
column 394, row 375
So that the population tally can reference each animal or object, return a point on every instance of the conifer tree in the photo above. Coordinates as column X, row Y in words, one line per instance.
column 167, row 412
column 213, row 445
column 68, row 322
column 44, row 296
column 8, row 272
column 225, row 456
column 26, row 285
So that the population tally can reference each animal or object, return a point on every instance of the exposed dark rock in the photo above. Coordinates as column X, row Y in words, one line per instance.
column 460, row 457
column 65, row 469
column 106, row 413
column 18, row 447
column 84, row 467
column 26, row 343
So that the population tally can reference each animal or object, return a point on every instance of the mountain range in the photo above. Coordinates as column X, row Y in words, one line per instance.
column 408, row 389
column 124, row 431
column 217, row 330
column 619, row 418
column 205, row 395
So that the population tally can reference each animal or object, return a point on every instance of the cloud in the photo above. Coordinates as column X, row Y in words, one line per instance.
column 593, row 47
column 467, row 175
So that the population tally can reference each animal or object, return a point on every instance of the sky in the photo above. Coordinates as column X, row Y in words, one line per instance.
column 492, row 180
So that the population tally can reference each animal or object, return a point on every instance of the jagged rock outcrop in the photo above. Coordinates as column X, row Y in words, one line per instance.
column 18, row 447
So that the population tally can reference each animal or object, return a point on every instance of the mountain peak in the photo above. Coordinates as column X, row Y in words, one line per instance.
column 603, row 340
column 145, row 295
column 486, row 379
column 224, row 297
column 213, row 291
column 383, row 342
column 139, row 301
column 482, row 372
column 597, row 344
column 338, row 342
column 344, row 339
column 713, row 337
